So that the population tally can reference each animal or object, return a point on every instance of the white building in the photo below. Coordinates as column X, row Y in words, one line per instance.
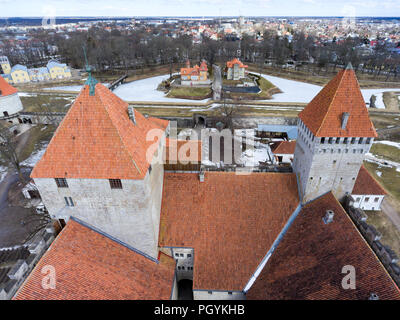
column 10, row 103
column 367, row 192
column 284, row 151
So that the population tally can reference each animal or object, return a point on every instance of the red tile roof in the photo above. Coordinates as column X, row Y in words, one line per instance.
column 89, row 265
column 230, row 220
column 366, row 184
column 182, row 150
column 234, row 61
column 323, row 115
column 97, row 140
column 5, row 88
column 284, row 147
column 308, row 262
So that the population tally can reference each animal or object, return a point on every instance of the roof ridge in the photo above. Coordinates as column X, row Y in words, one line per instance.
column 117, row 129
column 331, row 102
column 97, row 230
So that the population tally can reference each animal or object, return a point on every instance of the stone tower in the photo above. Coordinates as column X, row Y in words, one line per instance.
column 101, row 167
column 334, row 134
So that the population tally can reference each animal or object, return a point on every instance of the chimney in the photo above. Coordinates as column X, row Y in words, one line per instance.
column 131, row 113
column 201, row 174
column 328, row 218
column 345, row 118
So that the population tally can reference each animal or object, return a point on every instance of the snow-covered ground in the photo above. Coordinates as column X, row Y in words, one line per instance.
column 35, row 156
column 292, row 91
column 3, row 172
column 389, row 143
column 296, row 91
column 253, row 157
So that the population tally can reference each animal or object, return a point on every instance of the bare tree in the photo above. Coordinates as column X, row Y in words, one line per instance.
column 36, row 222
column 8, row 150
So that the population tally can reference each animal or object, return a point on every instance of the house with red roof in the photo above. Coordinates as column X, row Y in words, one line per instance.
column 197, row 75
column 10, row 103
column 235, row 69
column 265, row 235
column 283, row 151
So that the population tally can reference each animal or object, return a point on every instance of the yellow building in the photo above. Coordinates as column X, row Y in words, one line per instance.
column 19, row 74
column 58, row 70
column 5, row 65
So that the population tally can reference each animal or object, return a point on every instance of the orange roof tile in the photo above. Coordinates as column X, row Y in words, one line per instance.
column 174, row 148
column 5, row 88
column 284, row 147
column 97, row 140
column 366, row 184
column 91, row 266
column 323, row 115
column 308, row 262
column 230, row 220
column 234, row 61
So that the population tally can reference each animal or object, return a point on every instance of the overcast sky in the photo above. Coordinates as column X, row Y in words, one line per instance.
column 29, row 8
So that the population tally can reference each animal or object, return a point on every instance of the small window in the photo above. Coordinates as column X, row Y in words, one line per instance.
column 345, row 140
column 150, row 168
column 322, row 140
column 115, row 183
column 366, row 199
column 368, row 141
column 330, row 140
column 230, row 292
column 337, row 140
column 61, row 182
column 334, row 161
column 346, row 150
column 181, row 255
column 177, row 255
column 358, row 199
column 69, row 202
column 360, row 141
column 209, row 292
column 189, row 255
column 376, row 199
column 353, row 140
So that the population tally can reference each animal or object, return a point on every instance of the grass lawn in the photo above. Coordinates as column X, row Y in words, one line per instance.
column 386, row 151
column 36, row 135
column 53, row 102
column 189, row 92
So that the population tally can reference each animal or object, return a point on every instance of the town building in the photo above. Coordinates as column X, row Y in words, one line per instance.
column 284, row 151
column 235, row 236
column 235, row 69
column 19, row 74
column 39, row 74
column 198, row 75
column 10, row 103
column 58, row 70
column 5, row 67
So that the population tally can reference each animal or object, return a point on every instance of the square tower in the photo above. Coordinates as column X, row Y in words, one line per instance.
column 334, row 134
column 102, row 168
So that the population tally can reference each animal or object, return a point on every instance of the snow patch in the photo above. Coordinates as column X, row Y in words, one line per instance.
column 35, row 156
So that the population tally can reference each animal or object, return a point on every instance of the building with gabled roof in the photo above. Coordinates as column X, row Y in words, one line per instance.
column 197, row 75
column 313, row 258
column 235, row 69
column 10, row 103
column 104, row 268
